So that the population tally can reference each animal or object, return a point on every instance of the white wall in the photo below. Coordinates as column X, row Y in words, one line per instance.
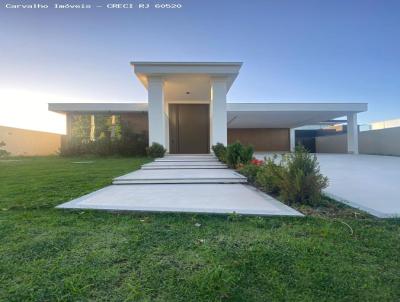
column 381, row 142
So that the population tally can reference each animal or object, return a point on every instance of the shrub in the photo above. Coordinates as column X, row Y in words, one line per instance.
column 237, row 154
column 301, row 180
column 219, row 151
column 250, row 171
column 131, row 144
column 156, row 150
column 269, row 176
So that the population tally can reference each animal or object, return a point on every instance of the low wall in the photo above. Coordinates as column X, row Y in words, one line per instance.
column 380, row 142
column 22, row 142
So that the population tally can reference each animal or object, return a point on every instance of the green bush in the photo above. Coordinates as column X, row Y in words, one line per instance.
column 250, row 171
column 220, row 151
column 156, row 150
column 269, row 176
column 237, row 154
column 301, row 180
column 131, row 144
column 296, row 178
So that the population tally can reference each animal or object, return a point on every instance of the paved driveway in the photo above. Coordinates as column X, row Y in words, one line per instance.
column 369, row 182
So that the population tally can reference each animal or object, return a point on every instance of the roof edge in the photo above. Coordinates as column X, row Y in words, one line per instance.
column 186, row 63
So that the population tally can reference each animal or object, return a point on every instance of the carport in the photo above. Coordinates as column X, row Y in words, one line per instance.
column 249, row 122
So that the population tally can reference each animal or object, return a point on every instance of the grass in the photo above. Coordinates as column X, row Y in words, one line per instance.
column 55, row 255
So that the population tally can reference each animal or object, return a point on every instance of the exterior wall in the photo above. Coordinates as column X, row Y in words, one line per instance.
column 29, row 143
column 381, row 142
column 385, row 124
column 331, row 143
column 137, row 121
column 263, row 139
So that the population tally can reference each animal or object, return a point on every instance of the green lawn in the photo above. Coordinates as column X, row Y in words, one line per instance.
column 50, row 255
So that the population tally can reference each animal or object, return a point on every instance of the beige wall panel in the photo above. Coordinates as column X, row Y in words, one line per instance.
column 272, row 139
column 29, row 143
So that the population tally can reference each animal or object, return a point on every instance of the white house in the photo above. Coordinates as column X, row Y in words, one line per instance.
column 188, row 112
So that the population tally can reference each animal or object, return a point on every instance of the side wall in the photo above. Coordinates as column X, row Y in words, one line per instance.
column 263, row 139
column 29, row 143
column 381, row 142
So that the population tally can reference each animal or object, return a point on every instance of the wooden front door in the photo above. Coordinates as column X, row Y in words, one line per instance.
column 189, row 127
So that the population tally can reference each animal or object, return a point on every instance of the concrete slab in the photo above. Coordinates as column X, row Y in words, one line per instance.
column 184, row 165
column 186, row 159
column 190, row 154
column 368, row 182
column 174, row 176
column 156, row 167
column 192, row 198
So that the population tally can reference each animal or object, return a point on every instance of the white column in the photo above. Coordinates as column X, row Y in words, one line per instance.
column 156, row 110
column 352, row 133
column 218, row 115
column 292, row 139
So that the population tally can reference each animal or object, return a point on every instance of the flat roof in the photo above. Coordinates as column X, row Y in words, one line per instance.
column 287, row 115
column 145, row 69
column 186, row 63
column 335, row 106
column 240, row 115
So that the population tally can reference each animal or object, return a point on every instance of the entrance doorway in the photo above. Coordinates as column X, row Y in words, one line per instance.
column 189, row 128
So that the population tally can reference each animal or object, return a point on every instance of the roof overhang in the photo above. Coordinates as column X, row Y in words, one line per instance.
column 241, row 115
column 287, row 115
column 228, row 70
column 97, row 107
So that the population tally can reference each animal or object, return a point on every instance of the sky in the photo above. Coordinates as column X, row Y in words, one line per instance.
column 292, row 51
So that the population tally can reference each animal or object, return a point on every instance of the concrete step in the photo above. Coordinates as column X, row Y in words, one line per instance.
column 192, row 198
column 187, row 159
column 188, row 156
column 180, row 176
column 183, row 155
column 163, row 167
column 184, row 165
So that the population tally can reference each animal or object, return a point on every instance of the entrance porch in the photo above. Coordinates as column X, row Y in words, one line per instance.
column 187, row 103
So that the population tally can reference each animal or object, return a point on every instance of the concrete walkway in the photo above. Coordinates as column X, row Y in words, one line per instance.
column 187, row 183
column 368, row 182
column 178, row 176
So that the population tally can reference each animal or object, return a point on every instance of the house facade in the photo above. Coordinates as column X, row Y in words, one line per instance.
column 187, row 110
